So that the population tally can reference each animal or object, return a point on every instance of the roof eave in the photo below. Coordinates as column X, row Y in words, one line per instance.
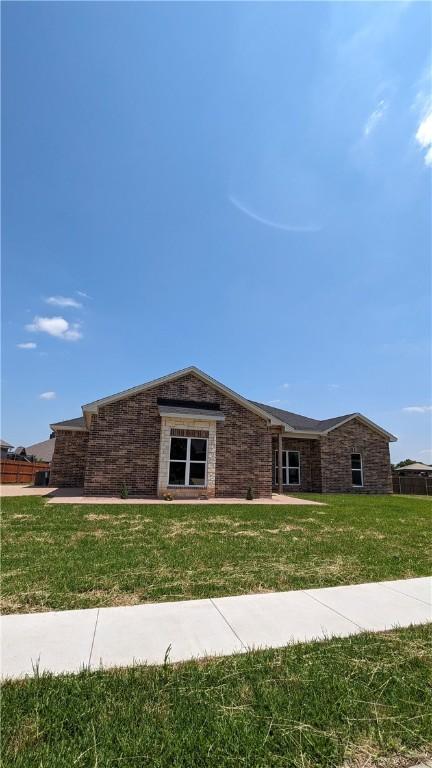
column 391, row 438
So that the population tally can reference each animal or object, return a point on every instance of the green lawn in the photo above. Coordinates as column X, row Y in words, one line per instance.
column 365, row 700
column 71, row 556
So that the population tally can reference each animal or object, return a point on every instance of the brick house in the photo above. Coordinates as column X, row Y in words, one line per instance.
column 188, row 434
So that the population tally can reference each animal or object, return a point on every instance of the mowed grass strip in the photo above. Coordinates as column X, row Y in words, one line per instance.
column 57, row 557
column 361, row 701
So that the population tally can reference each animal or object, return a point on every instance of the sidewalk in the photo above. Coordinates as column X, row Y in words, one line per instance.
column 67, row 641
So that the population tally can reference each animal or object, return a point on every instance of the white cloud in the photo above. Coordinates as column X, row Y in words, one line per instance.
column 424, row 136
column 55, row 326
column 273, row 402
column 63, row 301
column 83, row 294
column 285, row 386
column 418, row 409
column 47, row 396
column 334, row 386
column 426, row 452
column 27, row 345
column 374, row 118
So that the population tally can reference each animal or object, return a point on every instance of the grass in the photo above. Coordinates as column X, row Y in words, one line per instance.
column 57, row 557
column 360, row 701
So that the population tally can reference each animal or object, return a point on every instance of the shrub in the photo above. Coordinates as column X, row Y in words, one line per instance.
column 249, row 494
column 124, row 491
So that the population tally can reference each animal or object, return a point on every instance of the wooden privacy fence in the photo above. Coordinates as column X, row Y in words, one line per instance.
column 420, row 486
column 22, row 472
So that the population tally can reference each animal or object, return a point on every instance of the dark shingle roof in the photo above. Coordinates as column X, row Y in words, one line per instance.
column 303, row 423
column 43, row 450
column 78, row 422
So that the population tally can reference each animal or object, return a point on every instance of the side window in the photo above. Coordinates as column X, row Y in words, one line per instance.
column 356, row 469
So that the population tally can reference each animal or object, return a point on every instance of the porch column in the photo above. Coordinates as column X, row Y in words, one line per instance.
column 280, row 472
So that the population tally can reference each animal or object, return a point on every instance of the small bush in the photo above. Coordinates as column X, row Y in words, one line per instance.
column 168, row 496
column 124, row 491
column 249, row 494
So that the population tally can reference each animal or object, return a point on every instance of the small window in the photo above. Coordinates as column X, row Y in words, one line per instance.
column 188, row 461
column 356, row 469
column 290, row 467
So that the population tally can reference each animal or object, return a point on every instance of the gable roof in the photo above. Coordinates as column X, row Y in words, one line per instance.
column 94, row 406
column 5, row 444
column 321, row 426
column 77, row 424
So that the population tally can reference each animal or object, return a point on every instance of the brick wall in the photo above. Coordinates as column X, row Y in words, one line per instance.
column 69, row 459
column 125, row 436
column 336, row 449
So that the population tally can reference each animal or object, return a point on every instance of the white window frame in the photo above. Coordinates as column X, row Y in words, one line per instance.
column 287, row 467
column 188, row 462
column 357, row 469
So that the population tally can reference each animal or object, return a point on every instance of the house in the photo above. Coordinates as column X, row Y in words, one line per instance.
column 416, row 469
column 190, row 435
column 5, row 448
column 42, row 451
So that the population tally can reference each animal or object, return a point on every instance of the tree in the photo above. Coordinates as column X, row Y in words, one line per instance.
column 404, row 463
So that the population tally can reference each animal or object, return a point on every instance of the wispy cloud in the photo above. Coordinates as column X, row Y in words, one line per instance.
column 47, row 396
column 285, row 386
column 274, row 402
column 27, row 345
column 269, row 223
column 426, row 452
column 334, row 386
column 424, row 136
column 63, row 301
column 374, row 118
column 83, row 294
column 55, row 326
column 418, row 409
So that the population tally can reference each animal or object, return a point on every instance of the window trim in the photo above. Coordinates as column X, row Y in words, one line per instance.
column 287, row 467
column 357, row 469
column 187, row 461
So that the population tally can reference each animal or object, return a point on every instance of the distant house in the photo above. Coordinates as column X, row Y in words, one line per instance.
column 42, row 451
column 5, row 448
column 416, row 469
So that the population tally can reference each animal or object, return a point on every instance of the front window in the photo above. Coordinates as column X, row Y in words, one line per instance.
column 356, row 469
column 290, row 467
column 188, row 461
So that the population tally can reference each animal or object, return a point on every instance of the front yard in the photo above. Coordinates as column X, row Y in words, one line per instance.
column 56, row 557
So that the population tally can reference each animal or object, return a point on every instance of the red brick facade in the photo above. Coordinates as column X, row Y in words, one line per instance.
column 123, row 442
column 69, row 459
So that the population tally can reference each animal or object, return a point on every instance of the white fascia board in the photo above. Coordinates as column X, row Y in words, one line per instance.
column 391, row 438
column 57, row 427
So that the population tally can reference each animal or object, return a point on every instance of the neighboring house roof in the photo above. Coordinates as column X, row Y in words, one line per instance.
column 5, row 444
column 417, row 466
column 73, row 424
column 43, row 450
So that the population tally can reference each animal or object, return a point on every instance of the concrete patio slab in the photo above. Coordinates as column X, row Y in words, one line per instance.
column 373, row 607
column 74, row 496
column 55, row 642
column 24, row 490
column 278, row 618
column 420, row 588
column 149, row 633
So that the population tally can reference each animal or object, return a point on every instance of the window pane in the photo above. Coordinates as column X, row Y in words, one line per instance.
column 355, row 461
column 197, row 474
column 294, row 459
column 356, row 477
column 198, row 450
column 284, row 476
column 177, row 473
column 284, row 458
column 178, row 448
column 294, row 476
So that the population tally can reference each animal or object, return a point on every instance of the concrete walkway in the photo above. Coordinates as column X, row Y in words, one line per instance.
column 67, row 641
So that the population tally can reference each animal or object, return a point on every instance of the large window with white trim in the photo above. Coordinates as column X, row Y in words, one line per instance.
column 188, row 461
column 356, row 469
column 290, row 467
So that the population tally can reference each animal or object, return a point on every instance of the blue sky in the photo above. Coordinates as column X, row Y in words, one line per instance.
column 243, row 187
